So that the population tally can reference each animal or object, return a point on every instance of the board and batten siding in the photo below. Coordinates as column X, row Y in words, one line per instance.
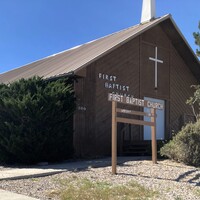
column 94, row 138
column 181, row 79
column 151, row 39
column 84, row 118
column 129, row 65
column 123, row 63
column 174, row 77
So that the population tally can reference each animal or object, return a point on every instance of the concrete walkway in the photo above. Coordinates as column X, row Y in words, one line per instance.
column 5, row 195
column 39, row 171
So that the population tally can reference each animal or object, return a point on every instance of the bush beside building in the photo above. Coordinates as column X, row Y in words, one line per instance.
column 36, row 121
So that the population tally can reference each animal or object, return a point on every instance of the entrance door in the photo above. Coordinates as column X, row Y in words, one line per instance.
column 160, row 121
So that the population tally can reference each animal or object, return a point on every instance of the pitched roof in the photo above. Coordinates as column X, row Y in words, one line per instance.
column 72, row 60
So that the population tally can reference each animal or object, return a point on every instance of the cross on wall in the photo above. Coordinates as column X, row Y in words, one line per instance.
column 156, row 60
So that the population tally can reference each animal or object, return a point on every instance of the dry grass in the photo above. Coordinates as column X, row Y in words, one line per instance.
column 197, row 192
column 84, row 189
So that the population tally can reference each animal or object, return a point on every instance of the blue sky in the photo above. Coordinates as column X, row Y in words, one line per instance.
column 34, row 29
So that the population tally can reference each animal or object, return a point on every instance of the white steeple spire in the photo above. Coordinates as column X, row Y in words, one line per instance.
column 148, row 10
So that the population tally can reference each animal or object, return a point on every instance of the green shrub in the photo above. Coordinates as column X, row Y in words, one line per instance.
column 185, row 146
column 36, row 121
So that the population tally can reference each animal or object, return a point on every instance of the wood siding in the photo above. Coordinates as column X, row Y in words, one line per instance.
column 149, row 40
column 130, row 65
column 124, row 64
column 181, row 80
column 92, row 134
column 84, row 118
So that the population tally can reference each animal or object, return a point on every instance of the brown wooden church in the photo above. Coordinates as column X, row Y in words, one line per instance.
column 151, row 60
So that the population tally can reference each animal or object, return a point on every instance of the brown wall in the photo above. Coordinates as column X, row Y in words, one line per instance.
column 124, row 64
column 129, row 65
column 174, row 77
column 181, row 80
column 152, row 38
column 84, row 118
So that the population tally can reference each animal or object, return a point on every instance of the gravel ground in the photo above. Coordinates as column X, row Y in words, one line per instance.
column 173, row 181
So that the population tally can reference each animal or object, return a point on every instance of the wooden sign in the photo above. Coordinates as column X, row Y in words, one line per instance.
column 115, row 119
column 134, row 101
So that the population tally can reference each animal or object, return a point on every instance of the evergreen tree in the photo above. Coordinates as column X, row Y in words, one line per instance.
column 197, row 40
column 36, row 121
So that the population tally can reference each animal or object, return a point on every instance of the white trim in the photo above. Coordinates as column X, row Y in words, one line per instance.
column 156, row 60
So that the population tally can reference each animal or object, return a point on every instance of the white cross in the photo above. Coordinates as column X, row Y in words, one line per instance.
column 156, row 60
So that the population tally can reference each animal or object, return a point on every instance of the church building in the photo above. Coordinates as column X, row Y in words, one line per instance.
column 150, row 61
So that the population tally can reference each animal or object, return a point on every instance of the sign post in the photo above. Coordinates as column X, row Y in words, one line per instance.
column 115, row 119
column 114, row 138
column 153, row 136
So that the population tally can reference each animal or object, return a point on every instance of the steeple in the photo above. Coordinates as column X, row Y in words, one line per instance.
column 148, row 10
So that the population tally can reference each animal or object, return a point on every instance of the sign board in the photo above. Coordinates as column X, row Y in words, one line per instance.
column 115, row 119
column 134, row 101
